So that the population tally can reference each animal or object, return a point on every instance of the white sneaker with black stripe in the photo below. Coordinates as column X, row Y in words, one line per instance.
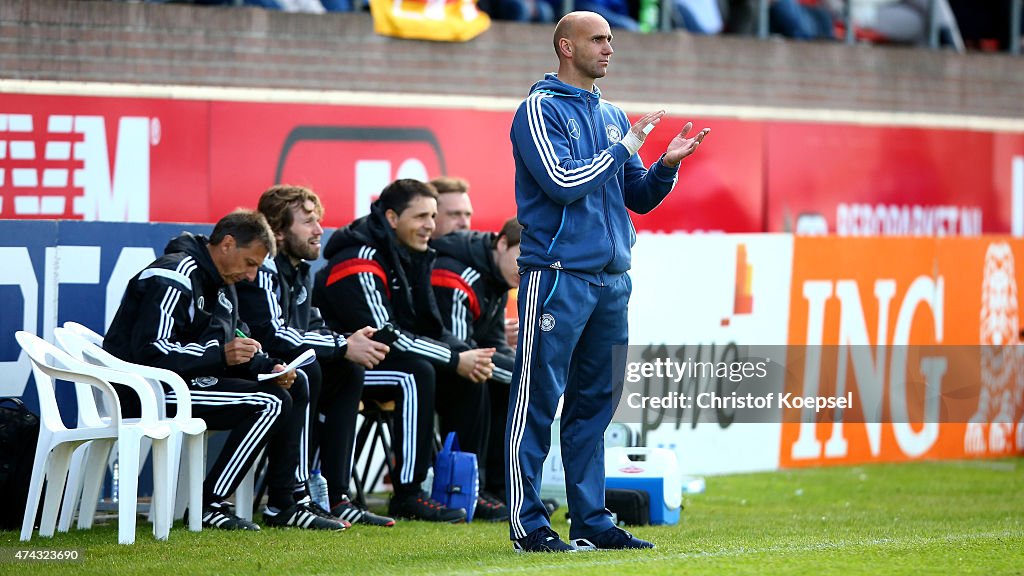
column 303, row 514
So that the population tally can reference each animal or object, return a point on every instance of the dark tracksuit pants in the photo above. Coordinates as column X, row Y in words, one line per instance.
column 258, row 415
column 409, row 380
column 334, row 427
column 568, row 329
column 463, row 407
column 492, row 467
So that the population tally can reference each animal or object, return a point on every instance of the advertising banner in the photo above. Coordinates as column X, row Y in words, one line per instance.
column 59, row 271
column 195, row 157
column 856, row 180
column 699, row 299
column 920, row 334
column 924, row 333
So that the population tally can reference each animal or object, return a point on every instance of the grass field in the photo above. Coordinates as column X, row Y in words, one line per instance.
column 923, row 518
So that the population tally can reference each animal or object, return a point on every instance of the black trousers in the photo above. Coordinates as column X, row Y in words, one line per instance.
column 257, row 415
column 333, row 427
column 476, row 413
column 492, row 468
column 408, row 380
column 463, row 408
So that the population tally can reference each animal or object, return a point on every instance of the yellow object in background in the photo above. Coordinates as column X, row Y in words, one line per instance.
column 439, row 20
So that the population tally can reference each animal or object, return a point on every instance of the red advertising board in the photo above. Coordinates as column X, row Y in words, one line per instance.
column 113, row 159
column 173, row 160
column 855, row 180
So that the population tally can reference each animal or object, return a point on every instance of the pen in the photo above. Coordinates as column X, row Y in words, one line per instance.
column 240, row 334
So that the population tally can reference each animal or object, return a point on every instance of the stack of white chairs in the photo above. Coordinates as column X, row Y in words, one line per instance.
column 185, row 432
column 57, row 443
column 188, row 438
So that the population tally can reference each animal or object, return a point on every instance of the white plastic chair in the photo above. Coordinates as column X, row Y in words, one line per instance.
column 191, row 451
column 57, row 443
column 83, row 343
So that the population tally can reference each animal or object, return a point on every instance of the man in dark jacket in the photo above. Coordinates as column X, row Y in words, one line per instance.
column 471, row 279
column 278, row 309
column 379, row 273
column 181, row 313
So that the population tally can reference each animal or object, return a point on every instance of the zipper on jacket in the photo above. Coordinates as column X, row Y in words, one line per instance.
column 604, row 195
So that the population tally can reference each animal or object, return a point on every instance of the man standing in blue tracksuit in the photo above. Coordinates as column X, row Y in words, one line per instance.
column 577, row 171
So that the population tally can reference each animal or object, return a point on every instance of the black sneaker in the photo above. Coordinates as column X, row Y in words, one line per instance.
column 219, row 515
column 543, row 539
column 614, row 538
column 422, row 507
column 350, row 512
column 303, row 514
column 490, row 509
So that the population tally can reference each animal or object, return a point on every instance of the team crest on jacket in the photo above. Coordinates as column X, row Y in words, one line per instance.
column 204, row 381
column 614, row 134
column 547, row 322
column 201, row 303
column 574, row 128
column 223, row 299
column 301, row 297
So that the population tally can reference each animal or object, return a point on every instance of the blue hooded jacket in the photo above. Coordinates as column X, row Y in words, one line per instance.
column 574, row 181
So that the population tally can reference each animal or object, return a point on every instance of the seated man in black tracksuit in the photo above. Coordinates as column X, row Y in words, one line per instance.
column 379, row 272
column 278, row 308
column 181, row 313
column 471, row 278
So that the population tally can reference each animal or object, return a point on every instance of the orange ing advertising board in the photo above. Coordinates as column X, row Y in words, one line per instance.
column 922, row 332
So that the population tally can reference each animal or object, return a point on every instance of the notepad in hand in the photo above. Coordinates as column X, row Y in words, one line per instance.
column 305, row 358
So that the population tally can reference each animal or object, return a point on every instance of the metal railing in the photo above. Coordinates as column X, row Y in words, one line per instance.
column 847, row 18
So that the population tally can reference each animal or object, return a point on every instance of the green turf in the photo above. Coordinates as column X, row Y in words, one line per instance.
column 923, row 518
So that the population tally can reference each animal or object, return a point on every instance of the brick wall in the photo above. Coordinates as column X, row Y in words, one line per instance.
column 181, row 44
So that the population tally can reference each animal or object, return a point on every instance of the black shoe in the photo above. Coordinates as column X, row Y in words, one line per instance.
column 543, row 539
column 219, row 515
column 613, row 538
column 421, row 507
column 303, row 514
column 350, row 512
column 490, row 509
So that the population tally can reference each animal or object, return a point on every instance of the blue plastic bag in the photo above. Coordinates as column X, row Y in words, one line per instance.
column 456, row 478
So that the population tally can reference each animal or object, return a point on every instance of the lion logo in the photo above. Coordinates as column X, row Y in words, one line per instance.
column 1002, row 379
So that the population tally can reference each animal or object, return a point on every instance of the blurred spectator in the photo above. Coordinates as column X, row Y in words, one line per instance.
column 698, row 16
column 342, row 5
column 310, row 6
column 801, row 19
column 521, row 10
column 798, row 19
column 740, row 16
column 984, row 25
column 616, row 12
column 906, row 21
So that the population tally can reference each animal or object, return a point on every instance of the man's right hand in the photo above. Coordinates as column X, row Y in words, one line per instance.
column 240, row 351
column 364, row 351
column 475, row 365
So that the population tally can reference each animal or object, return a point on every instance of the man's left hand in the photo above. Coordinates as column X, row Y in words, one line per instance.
column 286, row 379
column 680, row 147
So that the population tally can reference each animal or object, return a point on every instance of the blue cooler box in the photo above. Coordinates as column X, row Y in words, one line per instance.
column 653, row 470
